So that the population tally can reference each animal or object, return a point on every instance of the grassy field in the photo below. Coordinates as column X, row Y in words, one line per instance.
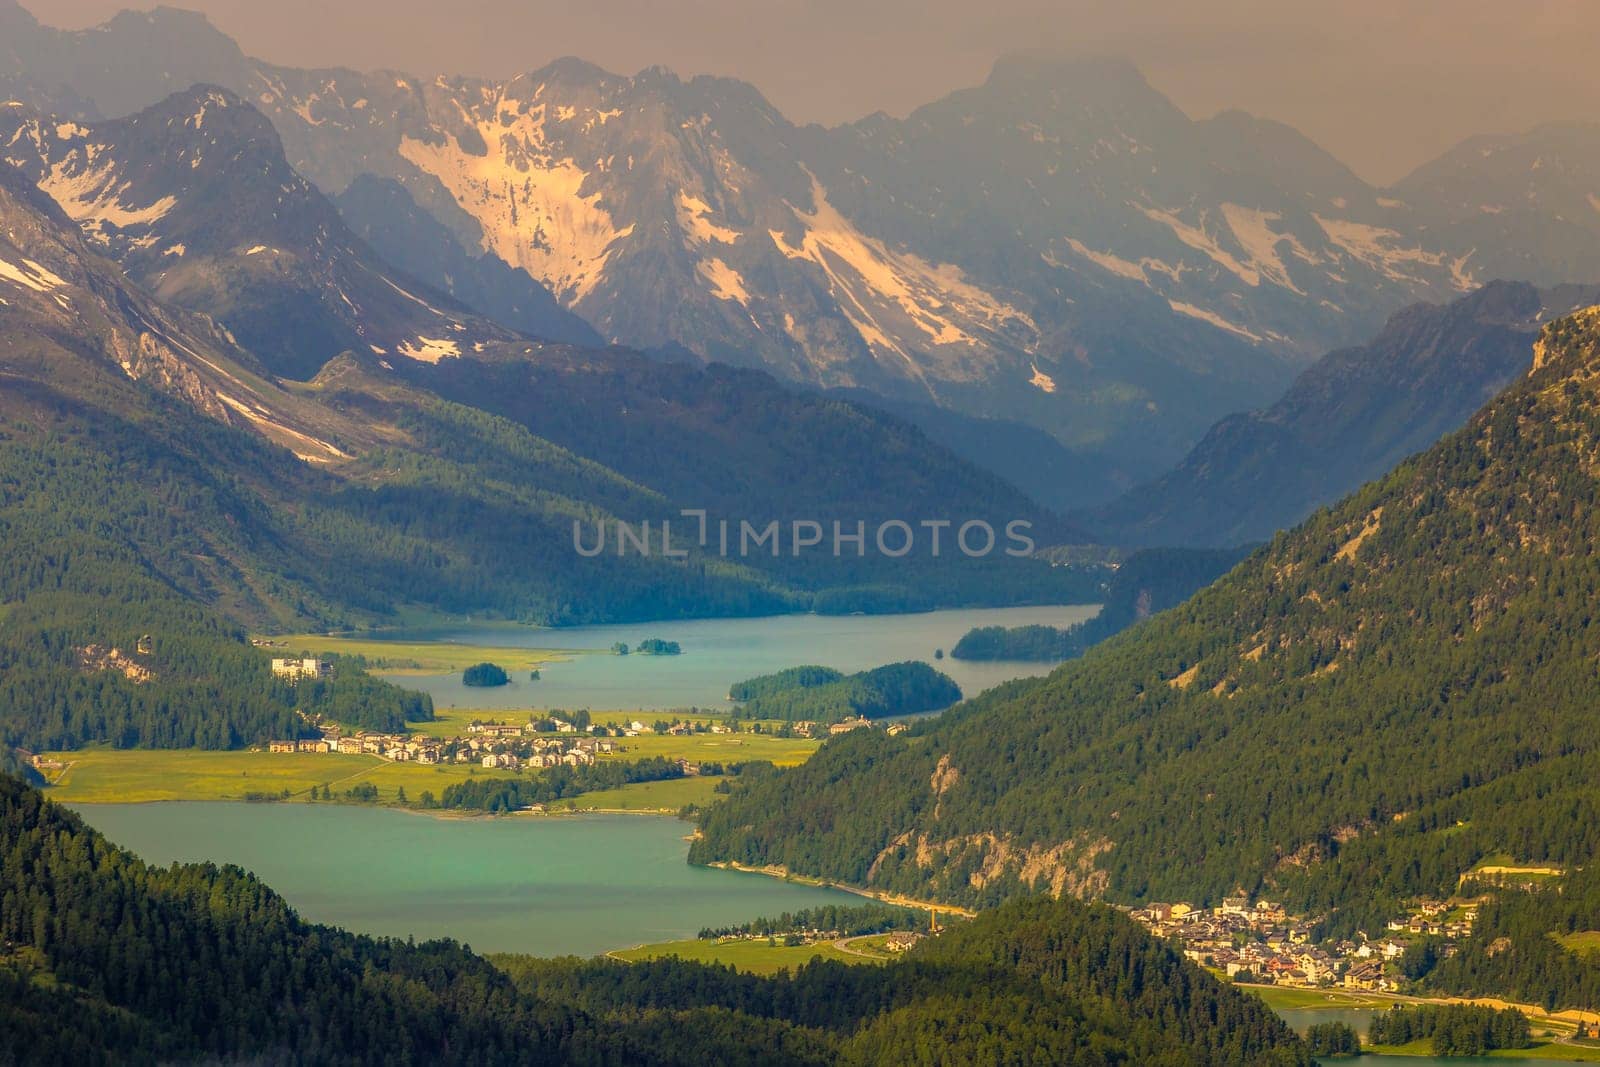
column 116, row 776
column 131, row 776
column 669, row 796
column 1581, row 943
column 1542, row 1051
column 423, row 657
column 1502, row 868
column 1283, row 997
column 723, row 748
column 755, row 957
column 1559, row 1050
column 871, row 948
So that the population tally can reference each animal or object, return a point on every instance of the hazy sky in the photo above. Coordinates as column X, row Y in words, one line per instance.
column 1383, row 84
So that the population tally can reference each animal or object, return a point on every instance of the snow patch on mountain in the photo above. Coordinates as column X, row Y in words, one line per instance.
column 1251, row 227
column 694, row 218
column 30, row 275
column 873, row 283
column 1198, row 239
column 725, row 282
column 1122, row 268
column 429, row 349
column 529, row 202
column 306, row 447
column 1139, row 271
column 1213, row 318
column 1384, row 250
column 92, row 195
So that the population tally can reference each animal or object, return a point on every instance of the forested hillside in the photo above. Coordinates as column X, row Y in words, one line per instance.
column 108, row 960
column 1358, row 713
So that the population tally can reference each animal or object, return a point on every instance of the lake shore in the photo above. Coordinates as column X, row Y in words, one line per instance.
column 778, row 871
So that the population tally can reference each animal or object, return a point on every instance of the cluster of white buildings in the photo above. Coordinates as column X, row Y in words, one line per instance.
column 495, row 745
column 1256, row 941
column 295, row 669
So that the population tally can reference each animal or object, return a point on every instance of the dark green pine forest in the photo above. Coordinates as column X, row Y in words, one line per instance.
column 1353, row 717
column 109, row 960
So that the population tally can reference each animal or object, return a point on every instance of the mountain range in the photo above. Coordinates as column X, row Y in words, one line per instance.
column 1060, row 246
column 1347, row 419
column 390, row 479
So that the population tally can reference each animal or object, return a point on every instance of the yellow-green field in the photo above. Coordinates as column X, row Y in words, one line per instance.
column 1563, row 1049
column 755, row 956
column 132, row 776
column 1286, row 997
column 422, row 657
column 1543, row 1051
column 1581, row 943
column 669, row 796
column 115, row 776
column 722, row 748
column 1502, row 868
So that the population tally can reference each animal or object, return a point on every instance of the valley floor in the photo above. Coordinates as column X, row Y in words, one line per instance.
column 758, row 955
column 1558, row 1027
column 102, row 775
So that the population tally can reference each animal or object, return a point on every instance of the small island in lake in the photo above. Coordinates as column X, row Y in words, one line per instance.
column 823, row 695
column 1036, row 643
column 484, row 676
column 655, row 646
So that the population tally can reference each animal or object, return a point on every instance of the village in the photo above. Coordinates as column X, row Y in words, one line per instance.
column 545, row 740
column 505, row 747
column 1258, row 942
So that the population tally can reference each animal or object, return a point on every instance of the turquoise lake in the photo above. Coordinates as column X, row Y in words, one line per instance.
column 719, row 652
column 552, row 885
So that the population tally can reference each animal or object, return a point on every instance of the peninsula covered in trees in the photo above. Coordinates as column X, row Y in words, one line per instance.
column 819, row 694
